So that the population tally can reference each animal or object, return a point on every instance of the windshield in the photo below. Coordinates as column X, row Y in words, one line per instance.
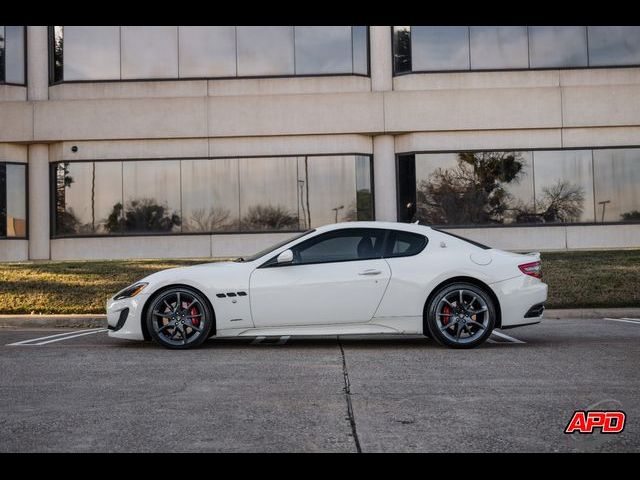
column 262, row 253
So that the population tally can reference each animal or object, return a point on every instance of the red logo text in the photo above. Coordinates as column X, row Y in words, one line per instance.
column 607, row 421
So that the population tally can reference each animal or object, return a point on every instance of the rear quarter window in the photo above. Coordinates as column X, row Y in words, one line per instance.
column 404, row 244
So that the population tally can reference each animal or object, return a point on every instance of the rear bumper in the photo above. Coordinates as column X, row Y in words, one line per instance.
column 521, row 300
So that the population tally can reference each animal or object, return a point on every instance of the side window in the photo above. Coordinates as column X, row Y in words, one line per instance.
column 340, row 246
column 405, row 244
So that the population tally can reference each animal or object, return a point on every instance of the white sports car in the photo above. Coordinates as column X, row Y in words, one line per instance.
column 341, row 279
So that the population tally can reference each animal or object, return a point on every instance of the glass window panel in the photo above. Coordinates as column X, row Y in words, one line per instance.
column 615, row 45
column 401, row 49
column 439, row 48
column 551, row 46
column 360, row 50
column 58, row 54
column 364, row 195
column 1, row 53
column 328, row 190
column 207, row 51
column 470, row 188
column 16, row 198
column 92, row 53
column 73, row 198
column 268, row 193
column 151, row 196
column 617, row 177
column 210, row 195
column 149, row 52
column 14, row 55
column 106, row 201
column 340, row 246
column 265, row 50
column 499, row 47
column 564, row 186
column 323, row 49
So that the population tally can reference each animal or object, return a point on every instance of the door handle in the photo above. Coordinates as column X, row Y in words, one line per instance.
column 371, row 271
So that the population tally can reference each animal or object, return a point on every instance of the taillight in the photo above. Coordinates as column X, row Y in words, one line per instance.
column 534, row 269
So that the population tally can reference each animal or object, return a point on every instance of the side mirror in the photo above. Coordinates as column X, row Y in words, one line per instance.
column 285, row 257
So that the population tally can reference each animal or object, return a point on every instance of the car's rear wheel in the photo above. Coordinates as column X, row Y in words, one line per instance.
column 461, row 315
column 179, row 317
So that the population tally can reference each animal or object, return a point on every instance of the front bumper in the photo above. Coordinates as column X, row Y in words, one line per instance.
column 517, row 296
column 124, row 317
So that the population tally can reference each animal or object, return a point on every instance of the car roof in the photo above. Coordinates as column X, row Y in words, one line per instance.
column 408, row 227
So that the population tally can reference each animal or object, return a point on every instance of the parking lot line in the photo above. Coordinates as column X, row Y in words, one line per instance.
column 635, row 319
column 28, row 342
column 72, row 336
column 625, row 320
column 506, row 337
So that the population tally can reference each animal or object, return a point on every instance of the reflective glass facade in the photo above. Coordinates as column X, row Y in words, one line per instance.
column 520, row 187
column 210, row 195
column 13, row 200
column 12, row 55
column 171, row 52
column 461, row 48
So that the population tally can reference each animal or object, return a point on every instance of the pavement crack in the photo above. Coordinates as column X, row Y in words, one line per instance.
column 347, row 394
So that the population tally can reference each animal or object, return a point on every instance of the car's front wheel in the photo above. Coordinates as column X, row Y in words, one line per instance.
column 461, row 315
column 179, row 317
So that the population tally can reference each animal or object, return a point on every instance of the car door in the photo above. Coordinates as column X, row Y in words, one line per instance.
column 335, row 277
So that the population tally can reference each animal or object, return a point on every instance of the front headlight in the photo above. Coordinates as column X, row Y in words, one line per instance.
column 130, row 291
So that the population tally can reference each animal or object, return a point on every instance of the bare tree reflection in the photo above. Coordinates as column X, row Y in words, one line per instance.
column 208, row 220
column 472, row 191
column 631, row 216
column 141, row 215
column 475, row 192
column 269, row 217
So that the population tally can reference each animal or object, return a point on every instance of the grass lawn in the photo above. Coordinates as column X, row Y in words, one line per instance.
column 576, row 279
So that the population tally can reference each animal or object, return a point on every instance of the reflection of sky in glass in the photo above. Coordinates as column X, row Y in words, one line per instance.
column 617, row 178
column 207, row 51
column 440, row 48
column 499, row 47
column 558, row 46
column 14, row 54
column 268, row 182
column 265, row 50
column 156, row 180
column 323, row 49
column 149, row 52
column 332, row 184
column 16, row 194
column 363, row 173
column 91, row 53
column 614, row 45
column 360, row 62
column 210, row 187
column 573, row 166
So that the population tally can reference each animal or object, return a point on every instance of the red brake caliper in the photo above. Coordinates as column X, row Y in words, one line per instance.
column 195, row 320
column 447, row 311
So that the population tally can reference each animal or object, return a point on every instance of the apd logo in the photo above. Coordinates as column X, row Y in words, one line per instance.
column 604, row 421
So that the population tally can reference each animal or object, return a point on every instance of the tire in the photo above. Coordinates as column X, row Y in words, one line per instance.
column 179, row 328
column 460, row 324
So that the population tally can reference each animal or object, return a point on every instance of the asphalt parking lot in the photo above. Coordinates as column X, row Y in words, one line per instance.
column 82, row 391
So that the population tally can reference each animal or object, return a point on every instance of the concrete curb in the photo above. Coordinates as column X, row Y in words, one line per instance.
column 592, row 313
column 94, row 321
column 53, row 321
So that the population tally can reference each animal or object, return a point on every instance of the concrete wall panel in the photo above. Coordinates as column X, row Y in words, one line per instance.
column 112, row 90
column 604, row 105
column 233, row 245
column 16, row 122
column 130, row 149
column 288, row 86
column 603, row 236
column 14, row 250
column 13, row 152
column 171, row 246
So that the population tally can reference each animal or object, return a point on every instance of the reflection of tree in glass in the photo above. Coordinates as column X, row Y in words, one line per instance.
column 560, row 202
column 361, row 209
column 268, row 217
column 203, row 220
column 632, row 216
column 142, row 215
column 472, row 191
column 58, row 45
column 66, row 220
